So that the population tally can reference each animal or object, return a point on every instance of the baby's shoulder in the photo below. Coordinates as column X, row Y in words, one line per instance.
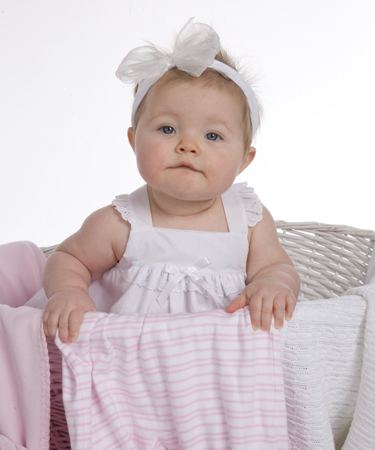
column 105, row 219
column 106, row 225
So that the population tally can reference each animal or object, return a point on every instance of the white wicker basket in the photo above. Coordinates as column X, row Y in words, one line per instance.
column 330, row 259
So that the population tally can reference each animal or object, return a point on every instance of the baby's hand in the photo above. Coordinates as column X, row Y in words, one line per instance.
column 265, row 297
column 65, row 311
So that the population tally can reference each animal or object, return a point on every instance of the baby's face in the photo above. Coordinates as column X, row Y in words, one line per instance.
column 189, row 141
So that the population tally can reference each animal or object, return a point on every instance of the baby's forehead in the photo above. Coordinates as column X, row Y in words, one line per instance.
column 190, row 97
column 169, row 91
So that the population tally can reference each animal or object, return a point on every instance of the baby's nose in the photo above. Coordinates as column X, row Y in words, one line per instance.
column 187, row 146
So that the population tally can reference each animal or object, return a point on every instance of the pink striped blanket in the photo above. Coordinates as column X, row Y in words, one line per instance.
column 186, row 381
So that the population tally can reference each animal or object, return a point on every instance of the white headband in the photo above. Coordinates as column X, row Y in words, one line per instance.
column 194, row 51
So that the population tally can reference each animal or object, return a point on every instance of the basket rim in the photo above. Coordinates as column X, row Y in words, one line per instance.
column 318, row 226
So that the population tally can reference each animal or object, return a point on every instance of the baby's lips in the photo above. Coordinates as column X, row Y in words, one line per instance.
column 185, row 165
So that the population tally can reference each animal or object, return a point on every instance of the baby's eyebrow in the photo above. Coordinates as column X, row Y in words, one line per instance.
column 162, row 113
column 216, row 120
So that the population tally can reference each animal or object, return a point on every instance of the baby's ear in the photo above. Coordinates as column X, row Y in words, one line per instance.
column 131, row 137
column 248, row 159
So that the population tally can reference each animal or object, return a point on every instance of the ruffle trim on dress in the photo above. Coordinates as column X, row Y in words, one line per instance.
column 153, row 277
column 252, row 203
column 121, row 205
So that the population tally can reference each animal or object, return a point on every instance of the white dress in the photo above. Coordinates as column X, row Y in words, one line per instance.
column 167, row 270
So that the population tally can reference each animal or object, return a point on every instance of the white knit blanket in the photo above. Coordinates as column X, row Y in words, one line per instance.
column 329, row 372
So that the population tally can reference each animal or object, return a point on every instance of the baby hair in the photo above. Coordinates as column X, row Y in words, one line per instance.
column 211, row 78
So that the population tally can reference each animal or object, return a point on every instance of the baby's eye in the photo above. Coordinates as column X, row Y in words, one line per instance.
column 167, row 129
column 212, row 136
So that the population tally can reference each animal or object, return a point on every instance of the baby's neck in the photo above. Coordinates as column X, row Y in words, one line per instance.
column 168, row 212
column 162, row 204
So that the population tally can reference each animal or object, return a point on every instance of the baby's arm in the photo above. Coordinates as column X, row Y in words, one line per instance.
column 272, row 282
column 81, row 258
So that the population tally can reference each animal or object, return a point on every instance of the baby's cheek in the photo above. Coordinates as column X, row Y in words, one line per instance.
column 146, row 169
column 151, row 166
column 225, row 170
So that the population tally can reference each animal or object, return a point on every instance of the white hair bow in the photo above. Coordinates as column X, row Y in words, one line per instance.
column 195, row 48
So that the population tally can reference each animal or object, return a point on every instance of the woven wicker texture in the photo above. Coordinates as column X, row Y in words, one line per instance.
column 59, row 433
column 330, row 259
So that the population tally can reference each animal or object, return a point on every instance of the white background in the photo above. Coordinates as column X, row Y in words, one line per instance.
column 64, row 114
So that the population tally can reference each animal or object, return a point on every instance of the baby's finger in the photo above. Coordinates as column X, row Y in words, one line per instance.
column 255, row 307
column 45, row 321
column 279, row 311
column 237, row 303
column 75, row 322
column 267, row 309
column 64, row 327
column 290, row 306
column 50, row 324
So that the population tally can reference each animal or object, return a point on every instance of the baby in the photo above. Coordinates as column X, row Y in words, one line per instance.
column 188, row 240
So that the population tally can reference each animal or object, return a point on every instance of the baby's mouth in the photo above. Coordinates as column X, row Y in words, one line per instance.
column 184, row 165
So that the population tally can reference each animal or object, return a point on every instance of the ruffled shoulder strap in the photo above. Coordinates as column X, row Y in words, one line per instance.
column 135, row 208
column 121, row 205
column 251, row 202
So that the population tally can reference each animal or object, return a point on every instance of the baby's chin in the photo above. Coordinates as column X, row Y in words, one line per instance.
column 179, row 193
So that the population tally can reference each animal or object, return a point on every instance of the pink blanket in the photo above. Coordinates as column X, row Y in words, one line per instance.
column 204, row 380
column 21, row 269
column 24, row 364
column 24, row 375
